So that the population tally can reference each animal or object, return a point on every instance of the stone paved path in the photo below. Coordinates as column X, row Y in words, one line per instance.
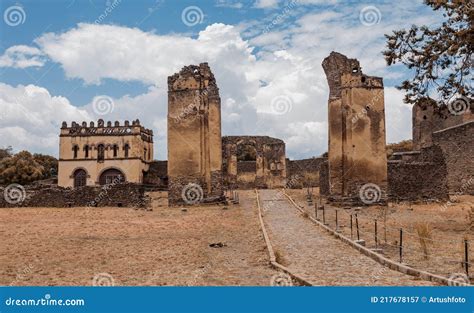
column 318, row 257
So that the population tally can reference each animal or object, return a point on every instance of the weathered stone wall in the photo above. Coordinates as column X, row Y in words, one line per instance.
column 114, row 195
column 157, row 174
column 324, row 178
column 421, row 179
column 194, row 134
column 428, row 117
column 357, row 147
column 304, row 173
column 457, row 145
column 270, row 163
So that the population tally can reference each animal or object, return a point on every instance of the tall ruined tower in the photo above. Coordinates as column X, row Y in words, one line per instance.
column 357, row 154
column 194, row 136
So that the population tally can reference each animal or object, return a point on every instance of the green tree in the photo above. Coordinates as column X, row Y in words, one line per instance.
column 440, row 57
column 20, row 168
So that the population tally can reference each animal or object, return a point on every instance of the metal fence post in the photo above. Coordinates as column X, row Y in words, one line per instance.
column 466, row 256
column 357, row 226
column 401, row 245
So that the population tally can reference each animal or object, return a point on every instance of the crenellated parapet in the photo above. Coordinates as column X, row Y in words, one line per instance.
column 107, row 129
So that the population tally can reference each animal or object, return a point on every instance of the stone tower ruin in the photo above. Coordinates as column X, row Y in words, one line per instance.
column 194, row 137
column 357, row 161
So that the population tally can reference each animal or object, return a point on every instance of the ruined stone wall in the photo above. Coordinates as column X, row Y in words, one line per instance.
column 428, row 117
column 424, row 178
column 304, row 173
column 157, row 174
column 114, row 195
column 357, row 147
column 324, row 178
column 270, row 163
column 457, row 145
column 194, row 134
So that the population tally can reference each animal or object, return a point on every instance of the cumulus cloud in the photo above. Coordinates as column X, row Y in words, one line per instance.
column 22, row 56
column 270, row 83
column 31, row 117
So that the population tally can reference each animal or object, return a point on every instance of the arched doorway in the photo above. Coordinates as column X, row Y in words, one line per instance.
column 80, row 178
column 111, row 176
column 246, row 165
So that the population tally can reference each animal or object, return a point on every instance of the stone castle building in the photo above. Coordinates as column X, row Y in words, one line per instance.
column 107, row 153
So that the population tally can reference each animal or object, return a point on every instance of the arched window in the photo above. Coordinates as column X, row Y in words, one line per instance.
column 144, row 153
column 115, row 148
column 111, row 176
column 100, row 152
column 86, row 151
column 126, row 148
column 75, row 149
column 80, row 178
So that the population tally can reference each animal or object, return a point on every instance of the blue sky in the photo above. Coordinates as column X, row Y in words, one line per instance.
column 59, row 59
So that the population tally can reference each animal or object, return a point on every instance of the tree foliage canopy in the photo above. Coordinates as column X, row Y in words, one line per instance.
column 20, row 168
column 441, row 57
column 49, row 164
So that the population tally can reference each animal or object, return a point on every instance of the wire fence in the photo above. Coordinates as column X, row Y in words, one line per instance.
column 417, row 245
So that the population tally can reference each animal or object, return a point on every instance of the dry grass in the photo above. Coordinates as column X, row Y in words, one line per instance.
column 424, row 231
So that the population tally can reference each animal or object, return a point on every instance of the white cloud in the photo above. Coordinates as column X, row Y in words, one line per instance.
column 22, row 56
column 229, row 4
column 264, row 4
column 282, row 64
column 31, row 117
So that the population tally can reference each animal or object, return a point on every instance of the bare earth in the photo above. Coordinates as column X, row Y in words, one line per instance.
column 71, row 246
column 318, row 257
column 450, row 225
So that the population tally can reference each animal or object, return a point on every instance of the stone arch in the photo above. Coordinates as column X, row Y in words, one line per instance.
column 110, row 175
column 269, row 162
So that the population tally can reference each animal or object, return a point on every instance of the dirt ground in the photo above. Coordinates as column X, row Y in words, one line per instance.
column 449, row 225
column 76, row 246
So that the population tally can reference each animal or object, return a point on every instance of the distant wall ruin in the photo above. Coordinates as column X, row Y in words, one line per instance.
column 428, row 117
column 357, row 151
column 194, row 136
column 303, row 173
column 267, row 170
